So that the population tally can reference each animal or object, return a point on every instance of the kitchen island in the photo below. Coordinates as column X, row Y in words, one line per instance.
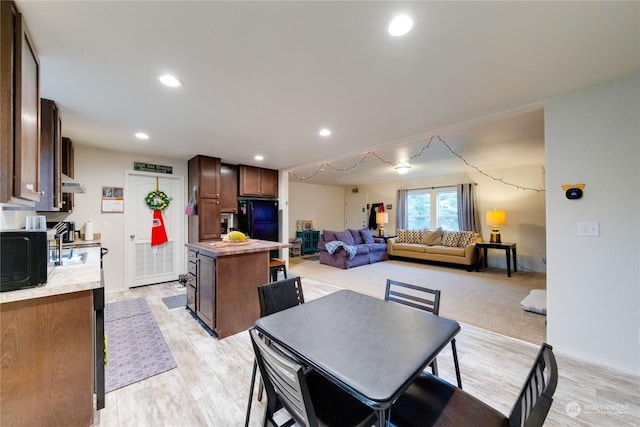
column 223, row 280
column 50, row 340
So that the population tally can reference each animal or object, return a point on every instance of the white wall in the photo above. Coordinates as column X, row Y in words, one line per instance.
column 322, row 204
column 525, row 209
column 592, row 137
column 95, row 168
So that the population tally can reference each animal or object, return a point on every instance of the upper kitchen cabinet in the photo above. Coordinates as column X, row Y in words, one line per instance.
column 258, row 182
column 20, row 109
column 204, row 178
column 67, row 169
column 205, row 172
column 228, row 188
column 50, row 157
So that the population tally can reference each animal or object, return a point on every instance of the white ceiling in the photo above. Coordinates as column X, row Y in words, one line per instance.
column 264, row 77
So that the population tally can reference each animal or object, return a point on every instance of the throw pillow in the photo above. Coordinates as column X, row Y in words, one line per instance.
column 366, row 236
column 466, row 238
column 346, row 237
column 328, row 235
column 409, row 236
column 450, row 238
column 357, row 237
column 432, row 237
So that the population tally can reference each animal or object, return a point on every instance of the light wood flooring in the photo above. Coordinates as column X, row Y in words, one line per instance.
column 210, row 385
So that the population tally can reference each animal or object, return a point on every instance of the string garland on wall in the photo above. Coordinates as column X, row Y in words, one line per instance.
column 373, row 154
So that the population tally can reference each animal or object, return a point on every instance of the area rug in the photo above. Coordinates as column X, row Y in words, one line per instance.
column 136, row 348
column 175, row 301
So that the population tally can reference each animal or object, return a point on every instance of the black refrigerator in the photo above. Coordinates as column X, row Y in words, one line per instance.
column 259, row 220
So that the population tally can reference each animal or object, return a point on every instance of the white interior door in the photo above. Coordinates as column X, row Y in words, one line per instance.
column 145, row 264
column 355, row 211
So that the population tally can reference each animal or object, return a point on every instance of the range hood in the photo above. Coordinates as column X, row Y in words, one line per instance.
column 71, row 186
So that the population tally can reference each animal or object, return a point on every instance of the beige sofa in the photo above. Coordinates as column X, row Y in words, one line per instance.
column 453, row 247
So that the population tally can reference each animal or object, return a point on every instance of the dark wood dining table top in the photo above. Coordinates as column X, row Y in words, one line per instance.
column 370, row 347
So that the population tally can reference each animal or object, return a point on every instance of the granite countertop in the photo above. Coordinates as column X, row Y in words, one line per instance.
column 221, row 248
column 63, row 280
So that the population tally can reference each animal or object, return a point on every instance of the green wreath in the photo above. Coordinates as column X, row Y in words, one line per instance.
column 157, row 200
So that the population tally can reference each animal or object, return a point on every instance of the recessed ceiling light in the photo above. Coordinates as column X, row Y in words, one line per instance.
column 169, row 80
column 142, row 135
column 400, row 25
column 324, row 132
column 258, row 157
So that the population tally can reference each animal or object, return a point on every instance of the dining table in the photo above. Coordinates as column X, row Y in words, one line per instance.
column 369, row 347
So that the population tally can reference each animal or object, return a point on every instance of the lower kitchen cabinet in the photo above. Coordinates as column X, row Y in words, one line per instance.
column 226, row 296
column 206, row 291
column 47, row 372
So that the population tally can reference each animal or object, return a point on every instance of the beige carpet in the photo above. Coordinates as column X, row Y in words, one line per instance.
column 487, row 299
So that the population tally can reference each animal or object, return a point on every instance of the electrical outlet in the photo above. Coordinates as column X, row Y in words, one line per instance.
column 106, row 225
column 591, row 229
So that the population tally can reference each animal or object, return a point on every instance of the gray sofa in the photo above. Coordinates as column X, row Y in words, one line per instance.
column 452, row 247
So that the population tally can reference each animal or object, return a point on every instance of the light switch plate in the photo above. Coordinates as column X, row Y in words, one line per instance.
column 591, row 229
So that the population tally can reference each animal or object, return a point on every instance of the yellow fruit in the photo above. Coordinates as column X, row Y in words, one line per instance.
column 236, row 236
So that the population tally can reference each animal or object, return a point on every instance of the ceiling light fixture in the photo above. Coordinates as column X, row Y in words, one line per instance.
column 142, row 135
column 324, row 132
column 169, row 80
column 402, row 168
column 258, row 157
column 400, row 25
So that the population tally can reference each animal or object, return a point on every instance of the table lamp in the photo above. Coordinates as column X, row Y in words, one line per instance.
column 382, row 218
column 496, row 218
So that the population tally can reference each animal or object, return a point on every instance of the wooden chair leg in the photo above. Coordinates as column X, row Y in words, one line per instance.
column 455, row 361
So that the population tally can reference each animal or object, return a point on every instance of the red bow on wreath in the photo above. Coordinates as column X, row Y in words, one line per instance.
column 158, row 232
column 157, row 201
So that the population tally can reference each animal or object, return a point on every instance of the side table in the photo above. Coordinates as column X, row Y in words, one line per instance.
column 509, row 248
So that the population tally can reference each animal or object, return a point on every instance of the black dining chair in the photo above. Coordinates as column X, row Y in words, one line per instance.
column 309, row 398
column 431, row 401
column 274, row 297
column 423, row 299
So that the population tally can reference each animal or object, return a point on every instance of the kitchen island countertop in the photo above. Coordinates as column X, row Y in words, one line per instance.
column 221, row 248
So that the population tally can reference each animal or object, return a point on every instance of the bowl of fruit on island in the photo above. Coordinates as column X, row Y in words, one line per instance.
column 237, row 238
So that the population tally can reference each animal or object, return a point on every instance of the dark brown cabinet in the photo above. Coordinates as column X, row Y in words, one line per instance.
column 258, row 182
column 48, row 356
column 20, row 106
column 204, row 177
column 229, row 188
column 50, row 157
column 67, row 169
column 192, row 279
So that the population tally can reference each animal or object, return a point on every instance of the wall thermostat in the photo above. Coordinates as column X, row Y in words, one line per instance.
column 573, row 191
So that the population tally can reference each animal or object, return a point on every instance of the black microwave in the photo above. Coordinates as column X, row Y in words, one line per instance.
column 23, row 259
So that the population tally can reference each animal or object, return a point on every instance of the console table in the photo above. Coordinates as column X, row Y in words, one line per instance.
column 310, row 240
column 509, row 248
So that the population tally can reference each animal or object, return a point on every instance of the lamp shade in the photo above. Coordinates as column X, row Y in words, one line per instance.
column 382, row 218
column 496, row 218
